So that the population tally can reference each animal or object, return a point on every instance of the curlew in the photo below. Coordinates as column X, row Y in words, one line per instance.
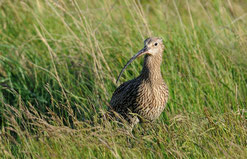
column 144, row 97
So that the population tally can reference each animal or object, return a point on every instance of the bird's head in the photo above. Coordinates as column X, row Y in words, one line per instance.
column 152, row 47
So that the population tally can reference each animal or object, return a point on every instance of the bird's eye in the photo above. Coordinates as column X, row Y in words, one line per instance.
column 155, row 44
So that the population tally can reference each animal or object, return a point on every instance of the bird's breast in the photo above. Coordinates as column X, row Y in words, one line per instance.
column 151, row 100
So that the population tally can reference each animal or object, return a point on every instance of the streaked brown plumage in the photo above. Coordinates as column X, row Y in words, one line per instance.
column 146, row 95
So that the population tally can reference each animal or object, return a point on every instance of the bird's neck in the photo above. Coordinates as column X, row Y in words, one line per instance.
column 151, row 68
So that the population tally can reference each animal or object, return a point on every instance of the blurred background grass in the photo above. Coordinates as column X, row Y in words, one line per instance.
column 59, row 61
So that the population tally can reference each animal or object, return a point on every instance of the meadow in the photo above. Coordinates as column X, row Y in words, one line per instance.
column 59, row 60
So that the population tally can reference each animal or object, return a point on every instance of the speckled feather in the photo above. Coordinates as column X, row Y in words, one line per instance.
column 145, row 95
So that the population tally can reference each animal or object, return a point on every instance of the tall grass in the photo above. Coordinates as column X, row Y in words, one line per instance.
column 59, row 61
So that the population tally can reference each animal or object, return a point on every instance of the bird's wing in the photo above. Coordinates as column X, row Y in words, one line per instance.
column 122, row 97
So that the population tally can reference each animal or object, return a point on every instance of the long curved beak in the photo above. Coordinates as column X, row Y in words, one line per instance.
column 140, row 53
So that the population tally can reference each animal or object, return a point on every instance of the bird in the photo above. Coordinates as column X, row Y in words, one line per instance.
column 144, row 97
